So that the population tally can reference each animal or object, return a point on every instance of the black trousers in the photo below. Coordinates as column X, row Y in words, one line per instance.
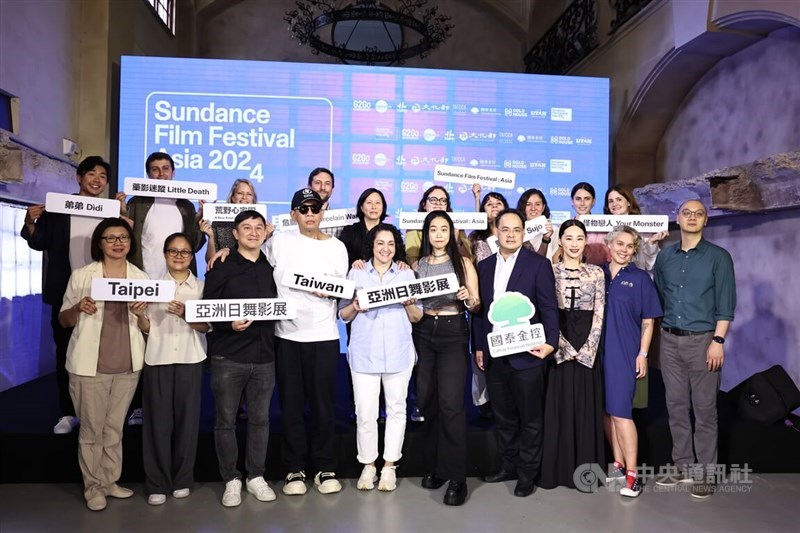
column 61, row 336
column 442, row 345
column 171, row 403
column 518, row 415
column 306, row 372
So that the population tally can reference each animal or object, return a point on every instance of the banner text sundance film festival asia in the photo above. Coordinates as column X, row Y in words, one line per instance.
column 210, row 126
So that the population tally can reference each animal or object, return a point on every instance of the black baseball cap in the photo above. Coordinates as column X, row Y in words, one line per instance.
column 305, row 195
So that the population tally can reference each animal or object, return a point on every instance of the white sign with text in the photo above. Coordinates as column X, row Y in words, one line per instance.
column 328, row 285
column 486, row 178
column 400, row 292
column 82, row 206
column 534, row 227
column 227, row 212
column 466, row 221
column 133, row 290
column 244, row 309
column 515, row 339
column 333, row 218
column 641, row 223
column 188, row 190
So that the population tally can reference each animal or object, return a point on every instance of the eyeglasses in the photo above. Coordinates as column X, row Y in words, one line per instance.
column 700, row 213
column 174, row 252
column 303, row 209
column 437, row 201
column 111, row 239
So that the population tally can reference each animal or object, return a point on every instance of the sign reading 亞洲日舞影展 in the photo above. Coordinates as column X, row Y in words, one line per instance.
column 641, row 223
column 511, row 313
column 486, row 178
column 328, row 285
column 465, row 221
column 332, row 218
column 133, row 290
column 243, row 309
column 401, row 292
column 188, row 190
column 227, row 212
column 82, row 206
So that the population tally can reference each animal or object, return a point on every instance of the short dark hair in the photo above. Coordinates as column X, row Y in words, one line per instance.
column 247, row 215
column 363, row 198
column 93, row 161
column 95, row 249
column 509, row 211
column 174, row 236
column 399, row 247
column 157, row 156
column 424, row 199
column 320, row 170
column 583, row 186
column 523, row 200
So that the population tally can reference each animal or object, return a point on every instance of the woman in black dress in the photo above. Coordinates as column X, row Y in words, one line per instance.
column 573, row 409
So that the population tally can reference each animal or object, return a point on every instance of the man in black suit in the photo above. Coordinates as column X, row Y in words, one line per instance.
column 516, row 382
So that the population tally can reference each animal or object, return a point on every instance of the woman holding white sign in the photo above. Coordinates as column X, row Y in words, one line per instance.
column 381, row 352
column 573, row 407
column 534, row 204
column 441, row 339
column 104, row 359
column 434, row 198
column 620, row 201
column 173, row 378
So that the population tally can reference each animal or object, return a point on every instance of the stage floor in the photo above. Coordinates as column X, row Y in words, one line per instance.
column 767, row 504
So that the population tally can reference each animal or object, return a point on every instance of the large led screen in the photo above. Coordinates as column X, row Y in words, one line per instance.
column 373, row 126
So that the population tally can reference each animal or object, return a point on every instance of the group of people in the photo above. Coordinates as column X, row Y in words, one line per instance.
column 552, row 405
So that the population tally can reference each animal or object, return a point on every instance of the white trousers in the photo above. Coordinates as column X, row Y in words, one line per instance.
column 366, row 391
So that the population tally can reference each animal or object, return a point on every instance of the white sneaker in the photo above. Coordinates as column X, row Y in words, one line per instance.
column 327, row 483
column 388, row 479
column 66, row 424
column 181, row 493
column 157, row 499
column 260, row 489
column 368, row 478
column 136, row 417
column 233, row 493
column 295, row 484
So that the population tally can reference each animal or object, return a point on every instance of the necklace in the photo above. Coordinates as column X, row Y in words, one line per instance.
column 438, row 256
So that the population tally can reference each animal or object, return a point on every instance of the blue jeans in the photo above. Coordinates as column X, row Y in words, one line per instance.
column 228, row 380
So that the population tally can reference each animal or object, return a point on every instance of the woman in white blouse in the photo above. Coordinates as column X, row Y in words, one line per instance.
column 104, row 360
column 173, row 377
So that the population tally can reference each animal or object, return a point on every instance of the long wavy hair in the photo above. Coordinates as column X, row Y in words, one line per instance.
column 399, row 247
column 452, row 244
column 634, row 209
column 523, row 200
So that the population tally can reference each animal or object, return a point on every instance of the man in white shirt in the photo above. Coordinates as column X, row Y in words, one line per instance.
column 322, row 182
column 308, row 346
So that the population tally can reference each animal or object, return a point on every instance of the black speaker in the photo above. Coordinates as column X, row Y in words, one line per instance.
column 767, row 397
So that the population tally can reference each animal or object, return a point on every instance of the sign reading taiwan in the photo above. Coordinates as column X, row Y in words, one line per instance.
column 465, row 221
column 82, row 206
column 487, row 178
column 332, row 218
column 133, row 290
column 511, row 313
column 401, row 292
column 227, row 212
column 641, row 223
column 188, row 190
column 244, row 309
column 328, row 285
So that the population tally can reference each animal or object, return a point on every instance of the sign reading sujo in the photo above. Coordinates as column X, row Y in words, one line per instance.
column 401, row 292
column 245, row 309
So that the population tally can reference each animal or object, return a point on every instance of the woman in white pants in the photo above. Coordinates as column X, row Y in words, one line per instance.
column 381, row 351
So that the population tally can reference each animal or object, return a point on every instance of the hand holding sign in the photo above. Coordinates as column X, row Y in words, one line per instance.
column 511, row 312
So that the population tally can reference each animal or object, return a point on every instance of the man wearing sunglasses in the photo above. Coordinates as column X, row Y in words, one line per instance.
column 308, row 346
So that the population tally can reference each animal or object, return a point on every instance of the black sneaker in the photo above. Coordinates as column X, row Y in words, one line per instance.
column 295, row 484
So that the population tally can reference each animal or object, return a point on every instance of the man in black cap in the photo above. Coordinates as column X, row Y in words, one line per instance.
column 308, row 346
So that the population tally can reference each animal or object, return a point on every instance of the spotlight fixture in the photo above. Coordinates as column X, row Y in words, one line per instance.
column 369, row 32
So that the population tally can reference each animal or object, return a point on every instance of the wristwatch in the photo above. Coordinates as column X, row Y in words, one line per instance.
column 718, row 339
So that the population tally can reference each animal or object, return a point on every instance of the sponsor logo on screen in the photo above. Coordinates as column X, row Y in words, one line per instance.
column 561, row 114
column 561, row 165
